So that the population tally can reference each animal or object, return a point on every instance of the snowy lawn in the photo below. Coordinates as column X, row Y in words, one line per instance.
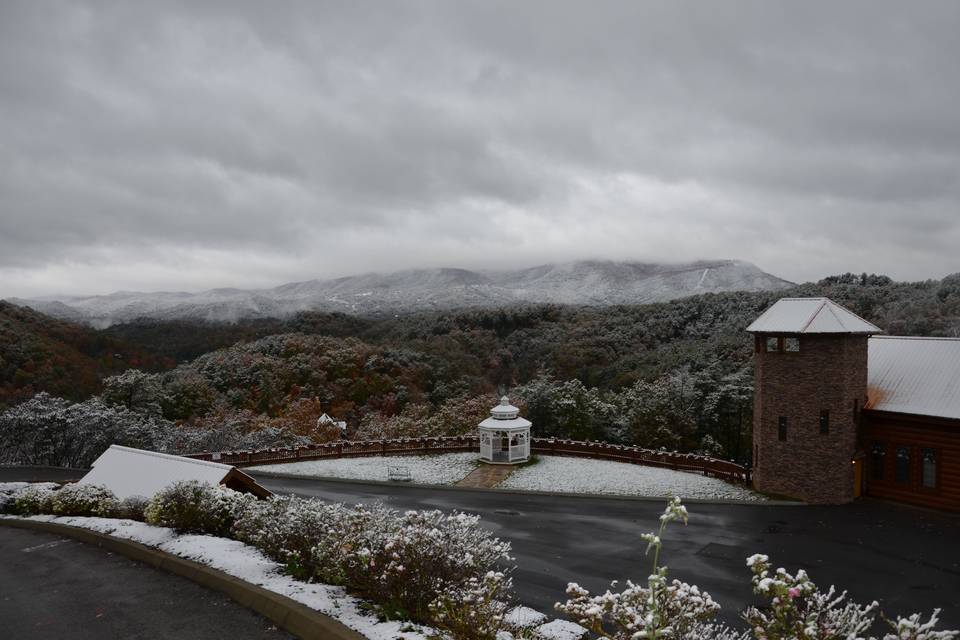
column 442, row 468
column 250, row 565
column 583, row 475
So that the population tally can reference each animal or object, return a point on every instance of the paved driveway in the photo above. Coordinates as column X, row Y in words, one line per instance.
column 57, row 588
column 906, row 558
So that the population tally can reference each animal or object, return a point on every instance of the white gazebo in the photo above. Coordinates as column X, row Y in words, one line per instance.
column 505, row 436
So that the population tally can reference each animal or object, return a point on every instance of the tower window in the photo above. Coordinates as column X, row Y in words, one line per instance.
column 928, row 461
column 878, row 454
column 782, row 429
column 791, row 345
column 902, row 474
column 824, row 421
column 773, row 345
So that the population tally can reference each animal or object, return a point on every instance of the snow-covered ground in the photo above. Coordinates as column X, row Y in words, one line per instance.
column 250, row 565
column 550, row 473
column 583, row 475
column 445, row 468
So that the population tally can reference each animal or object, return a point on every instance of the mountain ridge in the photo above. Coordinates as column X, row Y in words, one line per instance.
column 584, row 282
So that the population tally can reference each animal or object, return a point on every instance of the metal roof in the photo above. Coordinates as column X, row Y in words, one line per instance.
column 810, row 316
column 135, row 472
column 914, row 375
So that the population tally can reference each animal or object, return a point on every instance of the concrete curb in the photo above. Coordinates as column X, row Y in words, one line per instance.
column 288, row 614
column 529, row 492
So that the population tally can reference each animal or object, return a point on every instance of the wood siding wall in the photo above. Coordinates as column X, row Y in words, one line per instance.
column 917, row 433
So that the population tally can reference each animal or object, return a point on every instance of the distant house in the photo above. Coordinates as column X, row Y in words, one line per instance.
column 840, row 412
column 327, row 421
column 135, row 472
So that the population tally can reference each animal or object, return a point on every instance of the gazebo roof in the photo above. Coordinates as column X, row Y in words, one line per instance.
column 495, row 424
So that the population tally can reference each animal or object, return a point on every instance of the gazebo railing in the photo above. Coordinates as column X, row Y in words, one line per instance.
column 714, row 467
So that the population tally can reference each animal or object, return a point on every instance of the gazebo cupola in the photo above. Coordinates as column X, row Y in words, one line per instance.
column 505, row 436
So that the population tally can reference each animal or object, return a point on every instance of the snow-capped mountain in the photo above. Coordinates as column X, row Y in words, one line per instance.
column 580, row 283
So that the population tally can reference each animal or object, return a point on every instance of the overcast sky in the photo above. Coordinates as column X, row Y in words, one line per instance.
column 190, row 145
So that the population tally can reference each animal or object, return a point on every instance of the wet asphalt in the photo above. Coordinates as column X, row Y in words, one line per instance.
column 57, row 588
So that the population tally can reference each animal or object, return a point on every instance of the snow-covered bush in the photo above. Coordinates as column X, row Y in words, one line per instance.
column 431, row 553
column 8, row 491
column 289, row 529
column 35, row 499
column 800, row 611
column 351, row 553
column 474, row 611
column 84, row 500
column 197, row 507
column 133, row 508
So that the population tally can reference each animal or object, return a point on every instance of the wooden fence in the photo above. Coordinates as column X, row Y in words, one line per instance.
column 690, row 462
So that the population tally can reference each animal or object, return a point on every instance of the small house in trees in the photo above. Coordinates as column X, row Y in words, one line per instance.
column 840, row 412
column 135, row 472
column 326, row 422
column 505, row 436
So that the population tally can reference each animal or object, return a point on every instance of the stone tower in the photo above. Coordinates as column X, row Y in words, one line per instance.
column 810, row 383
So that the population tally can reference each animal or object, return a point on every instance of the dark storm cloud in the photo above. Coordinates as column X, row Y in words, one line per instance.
column 184, row 145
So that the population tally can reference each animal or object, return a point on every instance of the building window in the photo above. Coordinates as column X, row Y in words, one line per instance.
column 773, row 345
column 791, row 345
column 782, row 429
column 878, row 454
column 928, row 460
column 903, row 465
column 824, row 421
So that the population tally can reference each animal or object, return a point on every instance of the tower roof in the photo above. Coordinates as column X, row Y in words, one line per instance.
column 810, row 316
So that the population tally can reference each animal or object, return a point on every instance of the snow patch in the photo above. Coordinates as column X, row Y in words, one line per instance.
column 445, row 468
column 560, row 630
column 583, row 475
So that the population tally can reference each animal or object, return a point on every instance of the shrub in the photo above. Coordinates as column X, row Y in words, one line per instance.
column 84, row 500
column 197, row 507
column 288, row 529
column 34, row 500
column 474, row 611
column 133, row 508
column 431, row 553
column 800, row 611
column 351, row 553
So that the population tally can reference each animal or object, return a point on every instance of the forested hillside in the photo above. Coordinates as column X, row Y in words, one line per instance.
column 674, row 374
column 40, row 353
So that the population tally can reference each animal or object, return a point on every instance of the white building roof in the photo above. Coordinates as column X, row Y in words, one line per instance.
column 810, row 316
column 914, row 375
column 135, row 472
column 498, row 424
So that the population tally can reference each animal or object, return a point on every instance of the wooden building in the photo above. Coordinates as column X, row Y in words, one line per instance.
column 840, row 412
column 910, row 429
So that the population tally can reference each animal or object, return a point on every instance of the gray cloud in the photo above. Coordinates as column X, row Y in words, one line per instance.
column 192, row 145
